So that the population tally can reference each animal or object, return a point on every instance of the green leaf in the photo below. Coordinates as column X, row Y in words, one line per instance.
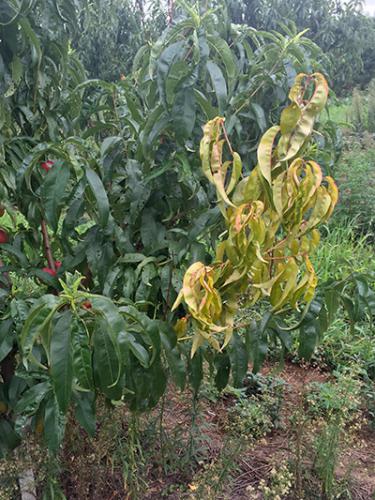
column 6, row 338
column 82, row 362
column 132, row 258
column 22, row 259
column 100, row 195
column 85, row 411
column 9, row 439
column 165, row 61
column 222, row 363
column 176, row 366
column 238, row 359
column 154, row 124
column 196, row 371
column 138, row 350
column 227, row 56
column 54, row 424
column 219, row 85
column 153, row 334
column 183, row 113
column 158, row 382
column 308, row 339
column 107, row 366
column 37, row 323
column 53, row 192
column 332, row 302
column 62, row 361
column 36, row 52
column 208, row 109
column 256, row 342
column 31, row 399
column 260, row 116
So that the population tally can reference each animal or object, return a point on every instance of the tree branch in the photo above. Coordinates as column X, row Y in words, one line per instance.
column 47, row 246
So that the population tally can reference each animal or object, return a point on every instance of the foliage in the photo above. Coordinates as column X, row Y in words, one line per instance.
column 339, row 404
column 338, row 397
column 341, row 30
column 280, row 483
column 105, row 207
column 271, row 221
column 342, row 251
column 355, row 174
column 250, row 419
column 357, row 112
column 257, row 412
column 371, row 107
column 268, row 389
column 38, row 72
column 338, row 111
column 111, row 33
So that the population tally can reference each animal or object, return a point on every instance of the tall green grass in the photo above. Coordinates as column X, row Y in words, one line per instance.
column 343, row 252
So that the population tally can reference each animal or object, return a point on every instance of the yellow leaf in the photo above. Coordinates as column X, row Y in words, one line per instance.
column 265, row 150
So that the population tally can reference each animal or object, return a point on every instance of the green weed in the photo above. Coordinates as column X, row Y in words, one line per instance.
column 342, row 252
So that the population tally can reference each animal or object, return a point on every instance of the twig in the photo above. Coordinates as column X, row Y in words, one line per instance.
column 6, row 274
column 227, row 138
column 47, row 246
column 170, row 12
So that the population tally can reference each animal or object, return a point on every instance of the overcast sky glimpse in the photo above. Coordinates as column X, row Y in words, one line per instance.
column 370, row 6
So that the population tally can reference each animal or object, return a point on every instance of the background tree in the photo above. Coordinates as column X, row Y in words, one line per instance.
column 112, row 31
column 340, row 29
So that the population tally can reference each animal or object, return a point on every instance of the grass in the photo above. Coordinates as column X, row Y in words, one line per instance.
column 338, row 112
column 355, row 178
column 342, row 252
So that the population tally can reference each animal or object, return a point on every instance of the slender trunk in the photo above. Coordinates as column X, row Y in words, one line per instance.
column 47, row 246
column 8, row 364
column 170, row 12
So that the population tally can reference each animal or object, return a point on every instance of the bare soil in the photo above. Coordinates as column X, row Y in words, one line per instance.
column 90, row 470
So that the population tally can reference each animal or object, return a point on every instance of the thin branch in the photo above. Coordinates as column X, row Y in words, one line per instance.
column 170, row 12
column 227, row 139
column 47, row 246
column 6, row 274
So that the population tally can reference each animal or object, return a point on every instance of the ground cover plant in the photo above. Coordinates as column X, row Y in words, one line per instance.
column 158, row 237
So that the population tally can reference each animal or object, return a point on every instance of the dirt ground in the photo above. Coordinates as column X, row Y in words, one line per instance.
column 253, row 461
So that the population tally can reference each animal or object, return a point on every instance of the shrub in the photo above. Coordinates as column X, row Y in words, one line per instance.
column 356, row 178
column 259, row 412
column 371, row 107
column 250, row 419
column 357, row 111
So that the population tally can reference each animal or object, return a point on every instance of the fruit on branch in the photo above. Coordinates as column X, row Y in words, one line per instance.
column 50, row 271
column 47, row 165
column 4, row 238
column 271, row 218
column 53, row 272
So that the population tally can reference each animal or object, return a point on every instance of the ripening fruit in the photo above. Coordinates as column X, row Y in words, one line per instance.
column 50, row 271
column 3, row 236
column 2, row 210
column 47, row 165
